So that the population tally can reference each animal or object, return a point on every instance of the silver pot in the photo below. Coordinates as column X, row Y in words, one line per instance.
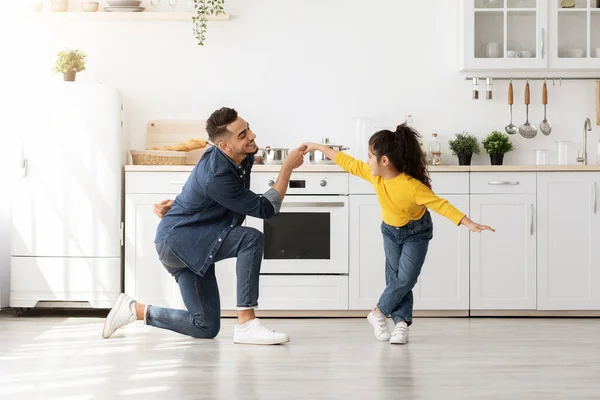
column 273, row 155
column 318, row 157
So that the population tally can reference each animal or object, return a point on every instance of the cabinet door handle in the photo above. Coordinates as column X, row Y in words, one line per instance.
column 24, row 167
column 595, row 199
column 325, row 204
column 531, row 212
column 180, row 183
column 496, row 183
column 543, row 40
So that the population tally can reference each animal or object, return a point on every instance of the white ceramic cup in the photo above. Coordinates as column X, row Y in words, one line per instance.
column 598, row 52
column 511, row 54
column 576, row 53
column 525, row 54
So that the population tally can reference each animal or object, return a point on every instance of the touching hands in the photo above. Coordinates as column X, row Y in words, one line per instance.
column 295, row 158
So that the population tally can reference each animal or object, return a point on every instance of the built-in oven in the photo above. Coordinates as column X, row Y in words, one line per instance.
column 310, row 233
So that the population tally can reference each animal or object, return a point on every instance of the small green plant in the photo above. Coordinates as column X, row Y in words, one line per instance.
column 497, row 143
column 464, row 143
column 203, row 9
column 69, row 60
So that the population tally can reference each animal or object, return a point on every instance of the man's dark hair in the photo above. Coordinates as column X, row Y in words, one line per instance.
column 216, row 125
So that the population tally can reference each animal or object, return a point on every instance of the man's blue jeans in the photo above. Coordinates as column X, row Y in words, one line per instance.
column 201, row 294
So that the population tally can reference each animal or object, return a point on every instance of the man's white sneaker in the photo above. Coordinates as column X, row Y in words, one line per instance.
column 379, row 324
column 254, row 332
column 400, row 333
column 122, row 313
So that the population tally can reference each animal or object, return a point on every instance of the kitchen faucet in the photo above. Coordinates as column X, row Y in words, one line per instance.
column 587, row 126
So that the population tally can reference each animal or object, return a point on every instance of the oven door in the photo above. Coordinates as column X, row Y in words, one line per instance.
column 308, row 236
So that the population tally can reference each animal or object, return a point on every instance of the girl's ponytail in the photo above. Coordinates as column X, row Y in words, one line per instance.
column 403, row 149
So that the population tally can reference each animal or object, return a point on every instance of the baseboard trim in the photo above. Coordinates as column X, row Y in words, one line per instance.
column 342, row 313
column 535, row 313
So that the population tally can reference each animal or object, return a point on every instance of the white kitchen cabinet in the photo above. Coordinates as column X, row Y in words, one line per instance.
column 367, row 258
column 503, row 264
column 504, row 34
column 444, row 282
column 303, row 292
column 146, row 280
column 529, row 34
column 569, row 241
column 575, row 35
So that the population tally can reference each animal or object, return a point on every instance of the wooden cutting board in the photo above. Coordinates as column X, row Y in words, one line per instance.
column 161, row 133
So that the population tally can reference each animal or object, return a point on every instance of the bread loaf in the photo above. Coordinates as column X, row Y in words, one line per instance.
column 188, row 145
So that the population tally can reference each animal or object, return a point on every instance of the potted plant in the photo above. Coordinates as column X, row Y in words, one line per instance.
column 69, row 62
column 497, row 144
column 464, row 146
column 204, row 8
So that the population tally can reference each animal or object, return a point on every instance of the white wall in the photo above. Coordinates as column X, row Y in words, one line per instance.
column 299, row 70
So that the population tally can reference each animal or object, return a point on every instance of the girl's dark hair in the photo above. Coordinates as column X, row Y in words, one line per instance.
column 403, row 150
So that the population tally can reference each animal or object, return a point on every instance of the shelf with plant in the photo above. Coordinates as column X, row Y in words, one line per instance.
column 69, row 62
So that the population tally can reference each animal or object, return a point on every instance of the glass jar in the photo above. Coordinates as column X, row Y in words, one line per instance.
column 435, row 149
column 562, row 150
column 541, row 156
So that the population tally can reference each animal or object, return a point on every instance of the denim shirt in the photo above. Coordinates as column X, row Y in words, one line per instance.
column 215, row 198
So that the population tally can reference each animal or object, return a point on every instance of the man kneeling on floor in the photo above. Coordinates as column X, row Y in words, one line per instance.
column 203, row 226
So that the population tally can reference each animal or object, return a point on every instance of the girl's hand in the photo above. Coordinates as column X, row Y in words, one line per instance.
column 475, row 227
column 310, row 147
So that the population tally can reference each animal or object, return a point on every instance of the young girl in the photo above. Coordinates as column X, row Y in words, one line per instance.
column 398, row 170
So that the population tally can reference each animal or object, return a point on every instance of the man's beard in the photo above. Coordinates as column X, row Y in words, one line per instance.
column 251, row 153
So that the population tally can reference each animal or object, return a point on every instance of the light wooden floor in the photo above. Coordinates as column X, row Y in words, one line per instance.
column 65, row 358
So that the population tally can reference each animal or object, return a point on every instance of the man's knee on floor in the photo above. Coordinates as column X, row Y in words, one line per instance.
column 207, row 329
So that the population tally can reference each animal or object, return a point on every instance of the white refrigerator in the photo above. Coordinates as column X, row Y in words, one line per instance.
column 67, row 229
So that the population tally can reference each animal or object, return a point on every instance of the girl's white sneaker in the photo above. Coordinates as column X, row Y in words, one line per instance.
column 400, row 333
column 380, row 326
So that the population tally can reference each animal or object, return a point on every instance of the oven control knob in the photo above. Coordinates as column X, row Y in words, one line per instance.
column 323, row 183
column 271, row 182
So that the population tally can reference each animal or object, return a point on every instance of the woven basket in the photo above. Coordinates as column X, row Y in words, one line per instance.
column 157, row 157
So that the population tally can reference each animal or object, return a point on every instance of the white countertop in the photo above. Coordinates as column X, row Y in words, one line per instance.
column 335, row 168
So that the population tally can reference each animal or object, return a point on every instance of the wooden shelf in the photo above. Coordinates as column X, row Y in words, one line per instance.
column 124, row 16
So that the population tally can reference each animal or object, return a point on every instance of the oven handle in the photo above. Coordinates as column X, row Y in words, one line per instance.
column 314, row 204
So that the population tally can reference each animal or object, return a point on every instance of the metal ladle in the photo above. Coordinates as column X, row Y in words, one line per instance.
column 527, row 130
column 510, row 128
column 545, row 126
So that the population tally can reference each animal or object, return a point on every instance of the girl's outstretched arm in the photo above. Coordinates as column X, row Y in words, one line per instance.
column 350, row 164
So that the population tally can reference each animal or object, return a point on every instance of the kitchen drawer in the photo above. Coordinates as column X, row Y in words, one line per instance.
column 503, row 182
column 450, row 182
column 155, row 182
column 303, row 182
column 303, row 292
column 441, row 182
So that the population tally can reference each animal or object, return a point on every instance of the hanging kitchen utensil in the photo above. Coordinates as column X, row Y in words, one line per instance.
column 510, row 128
column 527, row 130
column 545, row 126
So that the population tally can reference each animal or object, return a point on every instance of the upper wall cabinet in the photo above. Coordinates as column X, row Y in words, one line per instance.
column 575, row 35
column 529, row 35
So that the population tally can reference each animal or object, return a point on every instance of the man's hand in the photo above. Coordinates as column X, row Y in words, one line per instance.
column 161, row 208
column 475, row 227
column 295, row 158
